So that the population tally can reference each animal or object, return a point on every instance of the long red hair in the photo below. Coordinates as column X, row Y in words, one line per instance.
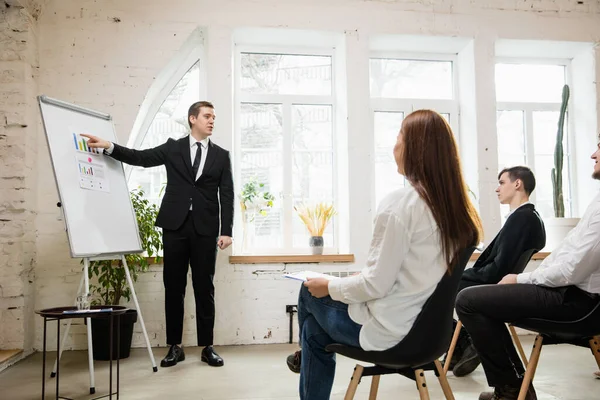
column 431, row 163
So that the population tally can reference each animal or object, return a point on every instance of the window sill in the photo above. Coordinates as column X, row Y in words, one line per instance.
column 325, row 258
column 537, row 256
column 292, row 259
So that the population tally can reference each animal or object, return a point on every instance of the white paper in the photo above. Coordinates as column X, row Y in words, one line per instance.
column 90, row 164
column 302, row 275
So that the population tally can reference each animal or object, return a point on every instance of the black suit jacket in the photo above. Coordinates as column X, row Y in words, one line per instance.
column 182, row 189
column 523, row 230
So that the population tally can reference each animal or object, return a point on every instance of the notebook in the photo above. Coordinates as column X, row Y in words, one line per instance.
column 302, row 275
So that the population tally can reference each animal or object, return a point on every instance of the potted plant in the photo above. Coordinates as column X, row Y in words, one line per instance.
column 254, row 201
column 316, row 218
column 559, row 226
column 109, row 283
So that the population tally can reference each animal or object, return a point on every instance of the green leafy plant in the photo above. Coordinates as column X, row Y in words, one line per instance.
column 255, row 200
column 556, row 174
column 111, row 283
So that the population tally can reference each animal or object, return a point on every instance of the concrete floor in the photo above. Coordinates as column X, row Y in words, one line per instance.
column 259, row 372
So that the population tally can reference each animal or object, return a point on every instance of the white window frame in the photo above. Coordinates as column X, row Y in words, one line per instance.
column 287, row 101
column 528, row 108
column 408, row 105
column 191, row 53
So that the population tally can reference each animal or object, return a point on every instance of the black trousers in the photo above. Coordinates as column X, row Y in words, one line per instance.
column 184, row 248
column 485, row 309
column 464, row 335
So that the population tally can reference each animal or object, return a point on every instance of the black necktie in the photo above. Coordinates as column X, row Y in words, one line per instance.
column 196, row 164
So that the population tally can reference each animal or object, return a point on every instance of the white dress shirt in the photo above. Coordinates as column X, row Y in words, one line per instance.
column 404, row 265
column 576, row 261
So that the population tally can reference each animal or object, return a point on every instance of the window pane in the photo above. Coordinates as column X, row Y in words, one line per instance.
column 545, row 127
column 387, row 178
column 261, row 126
column 261, row 163
column 264, row 167
column 511, row 138
column 529, row 82
column 169, row 122
column 545, row 124
column 312, row 127
column 285, row 74
column 414, row 79
column 312, row 164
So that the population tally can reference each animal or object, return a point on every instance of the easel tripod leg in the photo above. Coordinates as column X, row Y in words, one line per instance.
column 139, row 311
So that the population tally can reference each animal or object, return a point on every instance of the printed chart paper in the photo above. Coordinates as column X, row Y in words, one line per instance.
column 91, row 166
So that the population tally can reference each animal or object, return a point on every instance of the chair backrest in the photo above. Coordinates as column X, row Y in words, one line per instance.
column 430, row 335
column 523, row 261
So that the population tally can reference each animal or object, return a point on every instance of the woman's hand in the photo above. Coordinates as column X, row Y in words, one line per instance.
column 318, row 287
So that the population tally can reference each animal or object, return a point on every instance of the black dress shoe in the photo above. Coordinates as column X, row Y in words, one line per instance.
column 294, row 361
column 468, row 362
column 210, row 357
column 174, row 355
column 508, row 393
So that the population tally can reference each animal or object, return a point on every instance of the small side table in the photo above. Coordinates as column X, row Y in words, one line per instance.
column 59, row 313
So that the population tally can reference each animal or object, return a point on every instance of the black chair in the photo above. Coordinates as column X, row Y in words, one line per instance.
column 420, row 350
column 582, row 332
column 519, row 267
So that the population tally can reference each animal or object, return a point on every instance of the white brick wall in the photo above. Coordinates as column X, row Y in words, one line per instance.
column 18, row 184
column 106, row 54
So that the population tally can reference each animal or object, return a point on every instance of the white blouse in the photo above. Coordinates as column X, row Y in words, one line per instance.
column 404, row 266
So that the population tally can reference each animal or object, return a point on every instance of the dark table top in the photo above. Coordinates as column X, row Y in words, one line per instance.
column 59, row 312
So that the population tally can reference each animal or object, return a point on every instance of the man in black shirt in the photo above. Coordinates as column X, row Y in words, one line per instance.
column 522, row 231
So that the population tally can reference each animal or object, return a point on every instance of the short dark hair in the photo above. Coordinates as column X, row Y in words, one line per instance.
column 524, row 174
column 195, row 109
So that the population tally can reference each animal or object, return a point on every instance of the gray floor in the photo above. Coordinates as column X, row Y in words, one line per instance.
column 260, row 373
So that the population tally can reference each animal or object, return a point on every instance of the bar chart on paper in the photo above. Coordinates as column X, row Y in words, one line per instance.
column 91, row 173
column 81, row 145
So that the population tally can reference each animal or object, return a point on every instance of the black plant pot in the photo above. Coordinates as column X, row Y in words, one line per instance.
column 100, row 336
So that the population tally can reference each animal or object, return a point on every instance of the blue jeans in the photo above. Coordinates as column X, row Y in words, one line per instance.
column 322, row 321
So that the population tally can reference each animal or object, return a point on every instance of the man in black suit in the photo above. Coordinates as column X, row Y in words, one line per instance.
column 197, row 170
column 522, row 231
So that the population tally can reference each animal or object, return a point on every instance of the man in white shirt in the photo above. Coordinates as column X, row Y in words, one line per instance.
column 566, row 286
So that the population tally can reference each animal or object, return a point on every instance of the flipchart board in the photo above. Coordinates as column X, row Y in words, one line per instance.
column 92, row 187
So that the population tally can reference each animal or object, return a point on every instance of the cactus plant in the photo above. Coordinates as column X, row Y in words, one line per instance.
column 556, row 174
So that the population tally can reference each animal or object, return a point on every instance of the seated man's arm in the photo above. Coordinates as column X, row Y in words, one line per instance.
column 510, row 246
column 573, row 269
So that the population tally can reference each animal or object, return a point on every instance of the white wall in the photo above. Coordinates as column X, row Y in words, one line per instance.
column 18, row 172
column 105, row 55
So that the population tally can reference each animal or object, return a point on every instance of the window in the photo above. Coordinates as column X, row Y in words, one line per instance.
column 285, row 141
column 528, row 103
column 169, row 122
column 398, row 87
